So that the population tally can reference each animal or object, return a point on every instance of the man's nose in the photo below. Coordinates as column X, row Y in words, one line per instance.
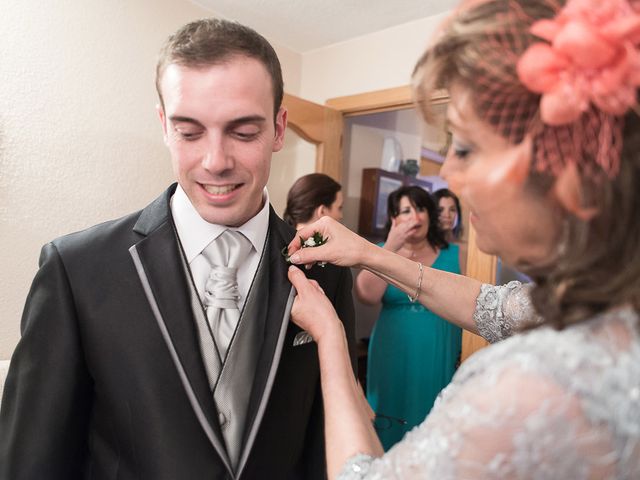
column 216, row 158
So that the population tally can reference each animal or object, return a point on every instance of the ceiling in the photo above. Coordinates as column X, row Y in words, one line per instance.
column 304, row 25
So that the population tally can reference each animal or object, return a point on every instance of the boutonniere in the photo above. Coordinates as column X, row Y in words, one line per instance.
column 314, row 240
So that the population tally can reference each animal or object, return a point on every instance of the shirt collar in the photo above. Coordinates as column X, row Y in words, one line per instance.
column 196, row 233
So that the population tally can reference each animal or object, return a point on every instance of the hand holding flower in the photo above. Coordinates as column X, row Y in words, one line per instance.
column 341, row 246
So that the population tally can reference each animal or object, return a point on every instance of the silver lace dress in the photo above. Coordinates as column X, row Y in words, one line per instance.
column 544, row 404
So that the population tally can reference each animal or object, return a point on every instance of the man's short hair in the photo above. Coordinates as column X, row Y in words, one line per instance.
column 212, row 41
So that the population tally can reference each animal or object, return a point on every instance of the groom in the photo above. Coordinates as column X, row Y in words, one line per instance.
column 158, row 346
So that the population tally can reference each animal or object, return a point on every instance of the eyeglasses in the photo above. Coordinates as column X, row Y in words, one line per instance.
column 384, row 422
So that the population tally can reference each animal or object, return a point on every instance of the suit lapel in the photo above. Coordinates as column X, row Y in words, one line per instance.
column 280, row 299
column 159, row 262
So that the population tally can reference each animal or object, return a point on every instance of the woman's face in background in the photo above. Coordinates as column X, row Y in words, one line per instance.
column 447, row 214
column 490, row 175
column 417, row 217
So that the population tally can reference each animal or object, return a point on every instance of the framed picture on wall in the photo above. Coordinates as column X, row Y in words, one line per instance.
column 385, row 187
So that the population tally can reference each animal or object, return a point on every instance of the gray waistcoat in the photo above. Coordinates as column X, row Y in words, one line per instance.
column 231, row 379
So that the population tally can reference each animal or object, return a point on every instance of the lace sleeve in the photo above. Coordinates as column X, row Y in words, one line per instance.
column 502, row 310
column 513, row 413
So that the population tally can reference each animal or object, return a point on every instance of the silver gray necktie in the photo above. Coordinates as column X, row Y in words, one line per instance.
column 221, row 293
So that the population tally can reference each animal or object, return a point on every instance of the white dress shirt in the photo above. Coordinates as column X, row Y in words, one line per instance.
column 195, row 234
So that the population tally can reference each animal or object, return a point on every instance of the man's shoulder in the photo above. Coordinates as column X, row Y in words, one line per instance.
column 104, row 233
column 107, row 235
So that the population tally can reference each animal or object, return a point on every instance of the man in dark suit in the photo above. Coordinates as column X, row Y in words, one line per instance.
column 123, row 371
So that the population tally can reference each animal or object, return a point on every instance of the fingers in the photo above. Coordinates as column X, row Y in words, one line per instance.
column 298, row 279
column 307, row 256
column 317, row 286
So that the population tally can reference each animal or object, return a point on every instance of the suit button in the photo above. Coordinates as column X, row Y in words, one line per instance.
column 222, row 419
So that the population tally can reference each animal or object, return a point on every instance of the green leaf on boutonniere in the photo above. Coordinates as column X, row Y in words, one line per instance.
column 314, row 240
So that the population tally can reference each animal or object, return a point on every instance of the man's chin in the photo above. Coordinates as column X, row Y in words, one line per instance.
column 229, row 216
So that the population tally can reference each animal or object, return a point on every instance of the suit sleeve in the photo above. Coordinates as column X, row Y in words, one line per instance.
column 47, row 397
column 343, row 304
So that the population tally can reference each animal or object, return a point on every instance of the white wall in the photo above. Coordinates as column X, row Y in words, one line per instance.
column 79, row 139
column 380, row 60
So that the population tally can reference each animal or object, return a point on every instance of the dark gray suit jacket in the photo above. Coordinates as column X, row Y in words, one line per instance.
column 106, row 384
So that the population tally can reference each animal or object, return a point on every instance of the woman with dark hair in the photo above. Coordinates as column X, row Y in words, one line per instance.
column 449, row 214
column 312, row 197
column 546, row 153
column 412, row 352
column 450, row 218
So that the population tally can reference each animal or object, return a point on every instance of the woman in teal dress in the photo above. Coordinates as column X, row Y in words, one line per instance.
column 412, row 352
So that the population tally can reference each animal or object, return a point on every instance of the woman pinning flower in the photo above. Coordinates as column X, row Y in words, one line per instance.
column 546, row 154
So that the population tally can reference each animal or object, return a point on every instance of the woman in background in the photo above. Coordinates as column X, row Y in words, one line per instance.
column 412, row 352
column 312, row 197
column 450, row 217
column 449, row 214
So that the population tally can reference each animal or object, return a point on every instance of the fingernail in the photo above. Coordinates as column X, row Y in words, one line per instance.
column 295, row 258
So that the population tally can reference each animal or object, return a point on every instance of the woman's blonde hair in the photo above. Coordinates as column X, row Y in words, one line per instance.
column 599, row 264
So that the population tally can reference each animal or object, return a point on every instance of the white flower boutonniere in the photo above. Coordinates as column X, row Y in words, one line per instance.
column 314, row 240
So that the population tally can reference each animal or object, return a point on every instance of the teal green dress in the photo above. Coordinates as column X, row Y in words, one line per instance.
column 412, row 356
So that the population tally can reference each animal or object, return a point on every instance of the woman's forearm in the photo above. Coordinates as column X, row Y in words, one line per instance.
column 348, row 428
column 451, row 296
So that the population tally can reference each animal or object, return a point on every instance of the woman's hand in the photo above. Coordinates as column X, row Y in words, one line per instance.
column 343, row 247
column 312, row 310
column 398, row 234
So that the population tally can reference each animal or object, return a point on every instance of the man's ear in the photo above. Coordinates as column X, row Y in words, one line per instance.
column 280, row 128
column 568, row 191
column 163, row 122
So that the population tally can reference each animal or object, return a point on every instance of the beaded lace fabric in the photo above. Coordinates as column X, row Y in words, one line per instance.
column 544, row 404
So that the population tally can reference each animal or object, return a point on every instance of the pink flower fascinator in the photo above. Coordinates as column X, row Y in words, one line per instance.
column 588, row 73
column 591, row 58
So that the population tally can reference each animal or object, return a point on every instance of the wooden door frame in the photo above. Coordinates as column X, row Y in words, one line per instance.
column 480, row 266
column 320, row 125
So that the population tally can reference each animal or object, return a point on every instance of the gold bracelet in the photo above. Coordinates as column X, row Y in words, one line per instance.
column 415, row 297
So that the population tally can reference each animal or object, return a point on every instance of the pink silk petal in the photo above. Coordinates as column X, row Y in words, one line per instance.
column 616, row 104
column 610, row 79
column 538, row 68
column 627, row 28
column 546, row 29
column 558, row 108
column 584, row 45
